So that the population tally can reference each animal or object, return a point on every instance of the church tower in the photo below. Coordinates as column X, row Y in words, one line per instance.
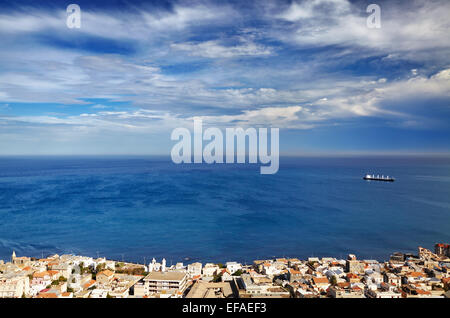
column 151, row 266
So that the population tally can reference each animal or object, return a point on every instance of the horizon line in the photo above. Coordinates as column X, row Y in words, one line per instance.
column 294, row 155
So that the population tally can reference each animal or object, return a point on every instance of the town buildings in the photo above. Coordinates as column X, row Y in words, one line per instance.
column 425, row 275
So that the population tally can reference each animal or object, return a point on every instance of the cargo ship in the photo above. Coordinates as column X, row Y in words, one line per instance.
column 378, row 178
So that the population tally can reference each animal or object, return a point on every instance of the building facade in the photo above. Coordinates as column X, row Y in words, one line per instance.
column 170, row 284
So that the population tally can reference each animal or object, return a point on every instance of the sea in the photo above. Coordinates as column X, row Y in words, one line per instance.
column 137, row 208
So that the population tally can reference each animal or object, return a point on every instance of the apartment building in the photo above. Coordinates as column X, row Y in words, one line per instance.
column 13, row 286
column 170, row 284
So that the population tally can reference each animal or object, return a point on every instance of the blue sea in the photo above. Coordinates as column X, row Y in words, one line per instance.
column 136, row 208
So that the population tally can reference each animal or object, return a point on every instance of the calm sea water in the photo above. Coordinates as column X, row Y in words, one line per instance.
column 133, row 208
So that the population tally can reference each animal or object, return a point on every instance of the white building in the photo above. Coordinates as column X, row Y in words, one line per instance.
column 156, row 267
column 165, row 284
column 383, row 293
column 233, row 267
column 194, row 269
column 210, row 270
column 179, row 266
column 271, row 269
column 14, row 286
column 226, row 276
column 261, row 289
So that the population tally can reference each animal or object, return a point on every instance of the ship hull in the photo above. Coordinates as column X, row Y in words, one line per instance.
column 379, row 179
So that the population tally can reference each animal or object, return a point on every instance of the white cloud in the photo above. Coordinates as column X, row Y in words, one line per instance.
column 186, row 16
column 100, row 106
column 281, row 117
column 88, row 128
column 371, row 103
column 64, row 76
column 310, row 9
column 30, row 21
column 144, row 24
column 417, row 25
column 213, row 49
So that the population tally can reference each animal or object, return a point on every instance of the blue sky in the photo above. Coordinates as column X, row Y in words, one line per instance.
column 136, row 70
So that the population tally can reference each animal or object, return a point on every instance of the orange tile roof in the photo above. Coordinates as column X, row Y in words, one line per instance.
column 415, row 274
column 89, row 284
column 344, row 285
column 320, row 280
column 423, row 292
column 106, row 272
column 40, row 274
column 51, row 273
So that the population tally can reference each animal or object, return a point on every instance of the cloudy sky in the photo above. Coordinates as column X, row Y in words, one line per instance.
column 136, row 70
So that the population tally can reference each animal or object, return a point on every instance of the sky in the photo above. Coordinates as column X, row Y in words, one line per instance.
column 135, row 70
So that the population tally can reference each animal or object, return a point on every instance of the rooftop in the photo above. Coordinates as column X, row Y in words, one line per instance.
column 210, row 290
column 173, row 276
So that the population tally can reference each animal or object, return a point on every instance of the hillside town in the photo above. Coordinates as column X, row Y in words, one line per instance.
column 425, row 275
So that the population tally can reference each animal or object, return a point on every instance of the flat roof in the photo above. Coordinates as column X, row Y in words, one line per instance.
column 203, row 289
column 171, row 276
